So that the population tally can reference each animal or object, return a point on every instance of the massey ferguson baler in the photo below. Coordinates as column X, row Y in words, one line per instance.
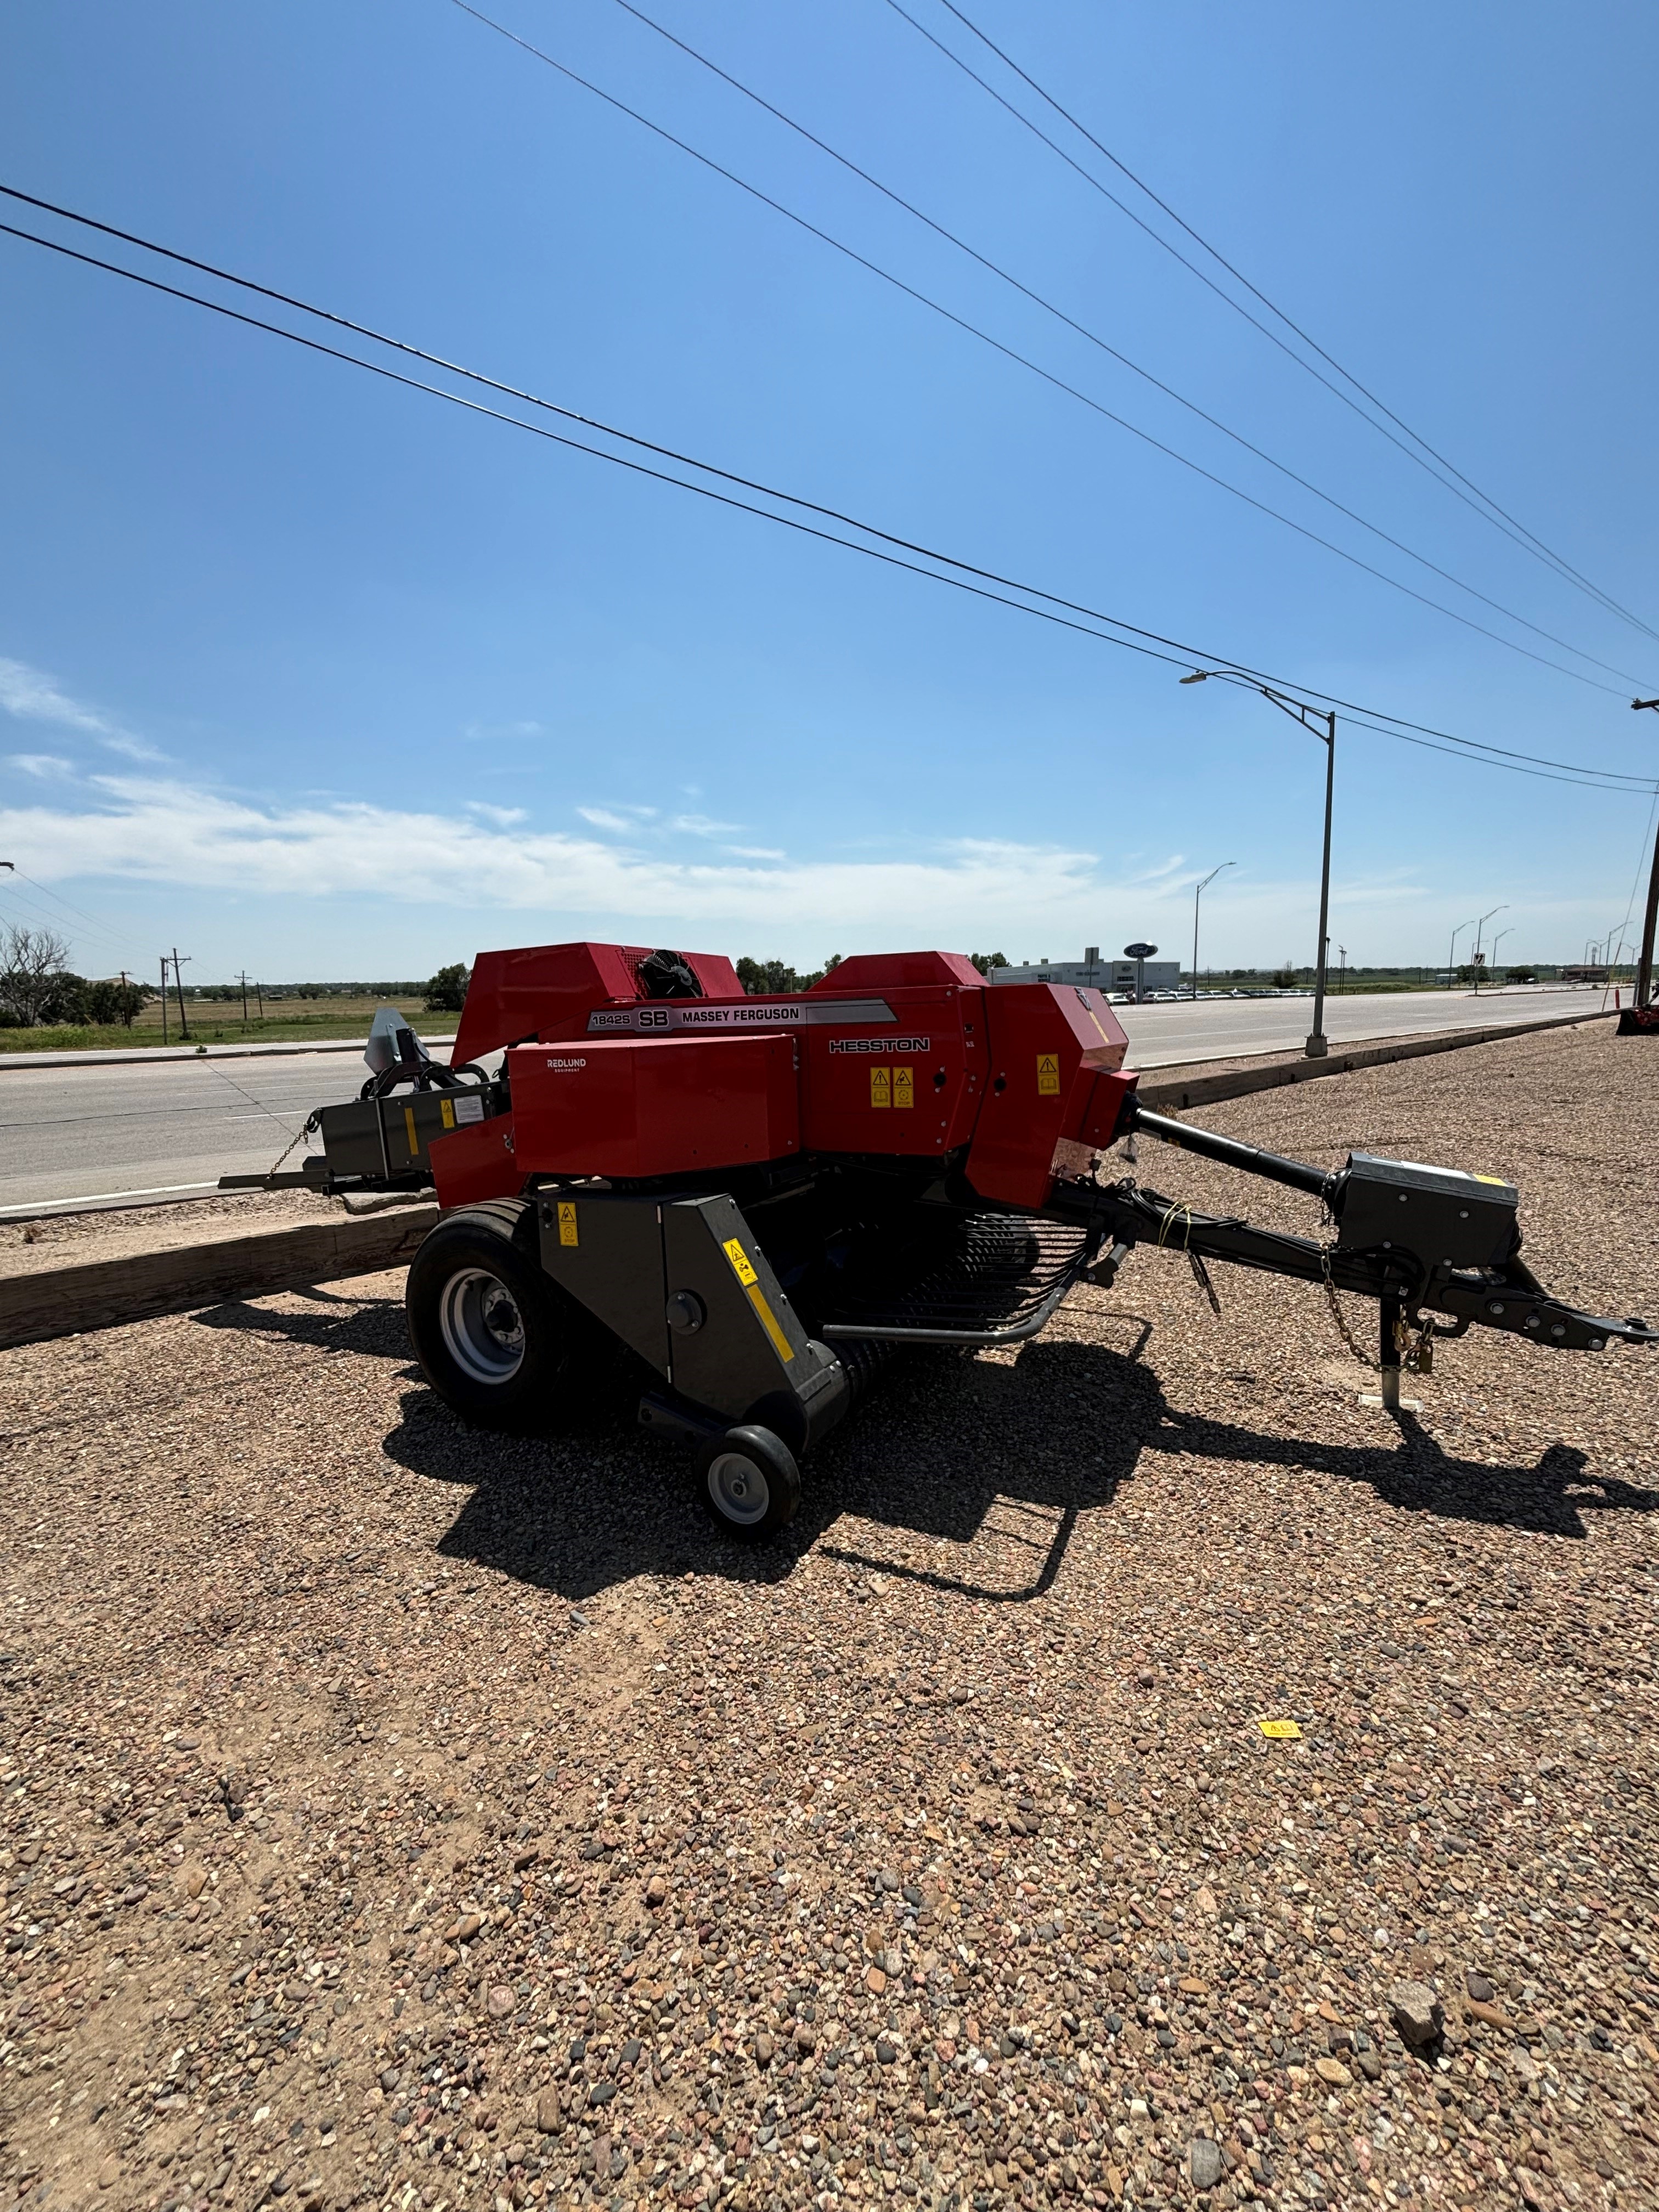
column 760, row 1199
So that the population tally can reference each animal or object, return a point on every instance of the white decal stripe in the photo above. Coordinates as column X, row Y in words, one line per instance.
column 699, row 1017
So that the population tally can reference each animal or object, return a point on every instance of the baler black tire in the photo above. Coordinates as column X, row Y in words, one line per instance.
column 494, row 1335
column 748, row 1483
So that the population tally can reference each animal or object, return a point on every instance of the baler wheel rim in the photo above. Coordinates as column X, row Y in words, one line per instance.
column 482, row 1326
column 739, row 1487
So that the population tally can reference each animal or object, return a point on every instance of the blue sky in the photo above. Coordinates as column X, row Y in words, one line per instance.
column 316, row 676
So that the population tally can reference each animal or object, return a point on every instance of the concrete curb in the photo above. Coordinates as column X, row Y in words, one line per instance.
column 1242, row 1082
column 106, row 1293
column 19, row 1063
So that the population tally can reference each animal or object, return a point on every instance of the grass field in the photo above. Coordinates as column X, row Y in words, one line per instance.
column 213, row 1021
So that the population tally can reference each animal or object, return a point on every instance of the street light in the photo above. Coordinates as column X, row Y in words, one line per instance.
column 1451, row 956
column 1197, row 890
column 1479, row 926
column 1508, row 930
column 1324, row 726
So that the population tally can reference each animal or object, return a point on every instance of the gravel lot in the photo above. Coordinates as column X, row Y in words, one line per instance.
column 396, row 1815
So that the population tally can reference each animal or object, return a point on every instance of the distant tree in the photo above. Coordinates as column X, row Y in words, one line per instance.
column 36, row 986
column 110, row 1001
column 985, row 962
column 769, row 979
column 1523, row 974
column 1285, row 977
column 447, row 991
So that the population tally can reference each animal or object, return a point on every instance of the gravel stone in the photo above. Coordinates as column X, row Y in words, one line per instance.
column 1416, row 2011
column 1205, row 2164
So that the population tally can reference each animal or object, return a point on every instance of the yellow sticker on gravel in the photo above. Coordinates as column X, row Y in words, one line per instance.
column 1280, row 1730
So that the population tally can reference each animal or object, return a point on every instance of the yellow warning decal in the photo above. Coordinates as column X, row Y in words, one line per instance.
column 904, row 1086
column 446, row 1109
column 1498, row 1180
column 567, row 1222
column 740, row 1266
column 1281, row 1731
column 1048, row 1074
column 743, row 1270
column 881, row 1087
column 414, row 1141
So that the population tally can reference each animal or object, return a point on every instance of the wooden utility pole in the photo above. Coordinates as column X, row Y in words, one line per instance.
column 1644, row 972
column 243, row 980
column 164, row 998
column 179, row 985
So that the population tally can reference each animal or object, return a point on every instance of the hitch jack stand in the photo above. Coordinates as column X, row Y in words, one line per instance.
column 1389, row 1354
column 1387, row 1365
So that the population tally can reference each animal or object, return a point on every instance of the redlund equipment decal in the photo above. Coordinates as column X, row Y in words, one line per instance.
column 567, row 1066
column 699, row 1014
column 885, row 1045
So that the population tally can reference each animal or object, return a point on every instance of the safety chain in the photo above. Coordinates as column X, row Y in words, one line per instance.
column 1337, row 1314
column 1415, row 1346
column 305, row 1132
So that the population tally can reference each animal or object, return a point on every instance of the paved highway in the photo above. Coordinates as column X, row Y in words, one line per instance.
column 168, row 1128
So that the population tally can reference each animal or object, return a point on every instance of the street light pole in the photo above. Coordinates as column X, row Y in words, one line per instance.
column 1322, row 723
column 1451, row 953
column 1479, row 926
column 1197, row 890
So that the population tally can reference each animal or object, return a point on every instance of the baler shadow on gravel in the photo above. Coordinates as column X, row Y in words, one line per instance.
column 757, row 1201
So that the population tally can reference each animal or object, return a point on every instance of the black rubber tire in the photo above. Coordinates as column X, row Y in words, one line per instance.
column 545, row 1351
column 748, row 1483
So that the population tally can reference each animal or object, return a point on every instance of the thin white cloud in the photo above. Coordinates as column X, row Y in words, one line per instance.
column 503, row 817
column 478, row 732
column 757, row 852
column 132, row 748
column 40, row 763
column 33, row 696
column 979, row 891
column 699, row 825
column 603, row 818
column 166, row 830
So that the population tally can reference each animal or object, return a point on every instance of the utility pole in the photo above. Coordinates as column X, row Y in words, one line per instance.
column 243, row 980
column 178, row 983
column 1644, row 972
column 164, row 998
column 1342, row 972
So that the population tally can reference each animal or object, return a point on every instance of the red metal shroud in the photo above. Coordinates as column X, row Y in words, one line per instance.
column 907, row 1055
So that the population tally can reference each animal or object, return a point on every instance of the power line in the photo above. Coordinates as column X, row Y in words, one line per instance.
column 1066, row 614
column 1024, row 360
column 1114, row 353
column 1481, row 503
